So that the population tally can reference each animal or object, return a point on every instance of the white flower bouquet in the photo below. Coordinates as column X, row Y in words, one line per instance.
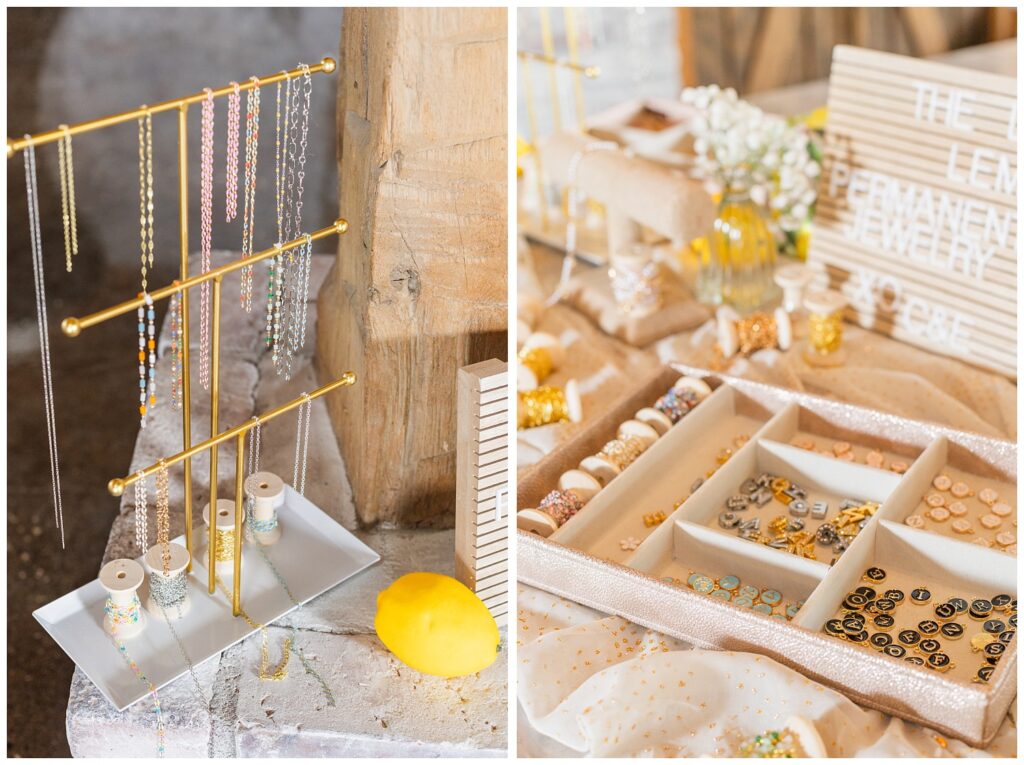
column 739, row 147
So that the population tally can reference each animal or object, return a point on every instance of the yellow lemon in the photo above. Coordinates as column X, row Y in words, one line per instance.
column 435, row 624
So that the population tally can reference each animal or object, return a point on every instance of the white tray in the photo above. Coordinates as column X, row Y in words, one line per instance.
column 313, row 555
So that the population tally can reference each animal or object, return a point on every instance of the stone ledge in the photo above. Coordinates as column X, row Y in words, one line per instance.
column 394, row 711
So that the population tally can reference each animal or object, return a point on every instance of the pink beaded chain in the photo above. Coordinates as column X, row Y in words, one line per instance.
column 231, row 171
column 206, row 228
column 252, row 142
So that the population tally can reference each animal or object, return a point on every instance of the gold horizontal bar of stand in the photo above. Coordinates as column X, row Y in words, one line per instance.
column 327, row 66
column 117, row 485
column 72, row 326
column 590, row 72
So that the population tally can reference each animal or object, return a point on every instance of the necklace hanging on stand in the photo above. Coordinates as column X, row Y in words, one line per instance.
column 297, row 330
column 177, row 352
column 163, row 516
column 146, row 352
column 66, row 164
column 274, row 281
column 253, row 465
column 252, row 144
column 206, row 231
column 302, row 445
column 141, row 514
column 35, row 235
column 231, row 164
column 147, row 312
column 293, row 283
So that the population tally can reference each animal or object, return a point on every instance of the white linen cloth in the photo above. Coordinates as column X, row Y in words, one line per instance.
column 597, row 685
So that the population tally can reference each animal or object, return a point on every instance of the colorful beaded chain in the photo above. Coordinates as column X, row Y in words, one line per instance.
column 147, row 351
column 119, row 615
column 177, row 352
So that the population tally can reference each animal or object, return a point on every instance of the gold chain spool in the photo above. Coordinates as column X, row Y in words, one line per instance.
column 825, row 332
column 225, row 545
column 537, row 360
column 756, row 331
column 543, row 406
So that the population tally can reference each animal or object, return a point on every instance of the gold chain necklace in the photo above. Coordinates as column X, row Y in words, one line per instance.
column 146, row 194
column 66, row 163
column 163, row 516
column 280, row 672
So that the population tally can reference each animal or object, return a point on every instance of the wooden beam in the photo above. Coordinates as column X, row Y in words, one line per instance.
column 687, row 47
column 774, row 50
column 926, row 31
column 1000, row 23
column 420, row 286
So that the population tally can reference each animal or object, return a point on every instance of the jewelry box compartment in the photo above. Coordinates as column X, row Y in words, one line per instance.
column 937, row 569
column 682, row 550
column 829, row 485
column 978, row 499
column 655, row 481
column 587, row 565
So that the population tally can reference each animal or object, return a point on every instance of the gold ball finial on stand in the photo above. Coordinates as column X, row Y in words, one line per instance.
column 71, row 326
column 329, row 65
column 341, row 225
column 116, row 487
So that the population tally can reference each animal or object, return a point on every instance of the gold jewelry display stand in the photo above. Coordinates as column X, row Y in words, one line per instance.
column 553, row 64
column 72, row 327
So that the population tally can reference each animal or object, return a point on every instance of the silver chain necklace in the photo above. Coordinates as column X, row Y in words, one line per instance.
column 141, row 513
column 302, row 445
column 32, row 192
column 170, row 594
column 253, row 464
column 293, row 282
column 297, row 327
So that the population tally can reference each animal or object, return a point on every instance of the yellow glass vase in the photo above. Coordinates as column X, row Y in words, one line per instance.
column 738, row 264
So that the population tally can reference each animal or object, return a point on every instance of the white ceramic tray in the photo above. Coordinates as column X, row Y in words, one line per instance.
column 313, row 555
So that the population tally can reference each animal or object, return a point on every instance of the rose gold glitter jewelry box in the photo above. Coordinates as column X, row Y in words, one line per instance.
column 608, row 558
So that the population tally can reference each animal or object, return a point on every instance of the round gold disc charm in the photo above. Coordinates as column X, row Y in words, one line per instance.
column 982, row 639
